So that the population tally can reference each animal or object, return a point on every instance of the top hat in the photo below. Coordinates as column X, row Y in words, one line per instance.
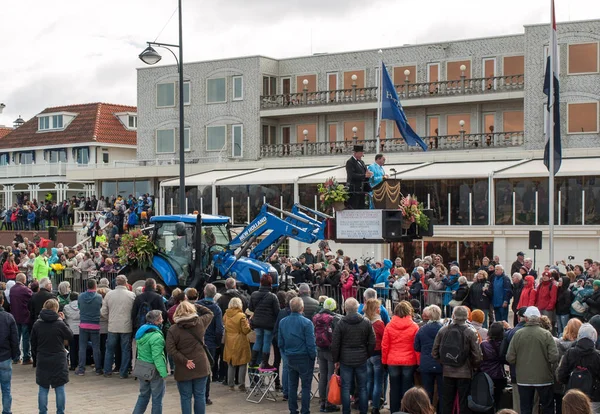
column 358, row 148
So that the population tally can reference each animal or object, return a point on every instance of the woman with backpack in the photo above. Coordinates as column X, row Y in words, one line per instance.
column 580, row 367
column 325, row 322
column 265, row 307
column 493, row 362
column 374, row 368
column 430, row 369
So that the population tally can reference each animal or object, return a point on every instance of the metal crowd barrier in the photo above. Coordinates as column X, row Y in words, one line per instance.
column 78, row 280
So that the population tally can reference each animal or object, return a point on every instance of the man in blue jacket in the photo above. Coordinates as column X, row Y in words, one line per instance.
column 296, row 340
column 502, row 293
column 90, row 304
column 9, row 351
column 214, row 333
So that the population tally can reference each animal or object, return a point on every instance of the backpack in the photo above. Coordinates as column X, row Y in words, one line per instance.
column 323, row 329
column 140, row 318
column 581, row 379
column 481, row 399
column 452, row 348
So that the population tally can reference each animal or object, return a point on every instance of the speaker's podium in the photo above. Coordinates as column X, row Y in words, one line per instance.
column 386, row 195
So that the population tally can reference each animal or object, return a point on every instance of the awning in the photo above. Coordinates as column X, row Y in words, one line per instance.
column 205, row 178
column 568, row 168
column 455, row 170
column 340, row 173
column 271, row 176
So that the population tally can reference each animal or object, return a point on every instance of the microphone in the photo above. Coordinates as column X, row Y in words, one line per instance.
column 394, row 171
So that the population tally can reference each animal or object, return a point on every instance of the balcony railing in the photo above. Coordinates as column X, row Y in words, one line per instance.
column 435, row 143
column 405, row 90
column 33, row 170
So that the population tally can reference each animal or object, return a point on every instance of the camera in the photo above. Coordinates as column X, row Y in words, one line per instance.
column 571, row 257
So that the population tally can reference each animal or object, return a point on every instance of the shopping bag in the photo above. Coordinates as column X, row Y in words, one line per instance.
column 334, row 395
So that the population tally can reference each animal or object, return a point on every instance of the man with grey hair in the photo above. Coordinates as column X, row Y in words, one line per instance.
column 501, row 293
column 517, row 288
column 352, row 344
column 116, row 307
column 214, row 332
column 533, row 352
column 311, row 305
column 230, row 293
column 296, row 339
column 371, row 293
column 457, row 369
column 39, row 298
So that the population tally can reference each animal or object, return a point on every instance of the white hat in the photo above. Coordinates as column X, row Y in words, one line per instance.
column 532, row 311
column 330, row 254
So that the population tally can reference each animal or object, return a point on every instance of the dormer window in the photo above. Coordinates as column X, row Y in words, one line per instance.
column 128, row 119
column 132, row 121
column 53, row 122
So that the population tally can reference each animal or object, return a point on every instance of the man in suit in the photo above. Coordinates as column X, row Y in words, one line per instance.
column 357, row 176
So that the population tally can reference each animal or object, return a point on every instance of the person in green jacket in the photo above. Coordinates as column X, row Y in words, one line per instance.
column 40, row 265
column 150, row 348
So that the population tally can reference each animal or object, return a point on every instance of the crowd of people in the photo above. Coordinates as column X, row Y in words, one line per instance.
column 419, row 339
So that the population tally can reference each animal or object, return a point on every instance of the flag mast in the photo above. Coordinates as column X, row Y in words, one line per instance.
column 379, row 101
column 551, row 51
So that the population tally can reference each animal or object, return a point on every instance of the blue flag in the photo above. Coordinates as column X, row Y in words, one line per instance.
column 392, row 109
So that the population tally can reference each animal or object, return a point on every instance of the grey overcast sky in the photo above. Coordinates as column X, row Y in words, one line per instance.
column 75, row 51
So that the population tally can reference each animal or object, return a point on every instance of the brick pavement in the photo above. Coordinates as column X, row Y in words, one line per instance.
column 99, row 395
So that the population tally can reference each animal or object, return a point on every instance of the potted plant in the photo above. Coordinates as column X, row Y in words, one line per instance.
column 332, row 194
column 412, row 212
column 137, row 250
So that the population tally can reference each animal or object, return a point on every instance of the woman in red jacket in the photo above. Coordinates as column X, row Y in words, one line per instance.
column 398, row 352
column 528, row 294
column 10, row 268
column 546, row 296
column 374, row 368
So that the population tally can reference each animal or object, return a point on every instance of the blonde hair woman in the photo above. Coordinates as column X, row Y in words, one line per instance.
column 237, row 346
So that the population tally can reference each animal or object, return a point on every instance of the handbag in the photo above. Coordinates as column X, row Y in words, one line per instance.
column 144, row 370
column 334, row 395
column 579, row 307
column 211, row 360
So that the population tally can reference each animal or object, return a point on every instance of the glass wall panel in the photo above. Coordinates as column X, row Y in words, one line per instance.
column 570, row 196
column 407, row 252
column 257, row 194
column 447, row 249
column 307, row 194
column 592, row 200
column 471, row 253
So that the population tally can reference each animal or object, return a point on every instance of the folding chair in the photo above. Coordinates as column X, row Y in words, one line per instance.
column 264, row 385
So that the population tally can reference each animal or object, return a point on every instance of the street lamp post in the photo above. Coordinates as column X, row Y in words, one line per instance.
column 150, row 57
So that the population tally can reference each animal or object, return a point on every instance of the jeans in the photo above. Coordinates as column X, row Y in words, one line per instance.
column 326, row 368
column 561, row 322
column 114, row 340
column 401, row 380
column 485, row 319
column 5, row 377
column 451, row 387
column 61, row 399
column 263, row 340
column 301, row 367
column 348, row 374
column 74, row 352
column 526, row 395
column 154, row 388
column 197, row 388
column 501, row 314
column 94, row 336
column 285, row 370
column 23, row 332
column 429, row 380
column 374, row 380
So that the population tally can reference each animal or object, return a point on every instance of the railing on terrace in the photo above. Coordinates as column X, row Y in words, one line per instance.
column 33, row 170
column 406, row 90
column 435, row 143
column 78, row 280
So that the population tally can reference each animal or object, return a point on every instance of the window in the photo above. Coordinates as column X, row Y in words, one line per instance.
column 269, row 85
column 237, row 132
column 513, row 121
column 165, row 94
column 269, row 135
column 165, row 141
column 215, row 137
column 43, row 123
column 583, row 58
column 186, row 139
column 238, row 88
column 360, row 79
column 514, row 65
column 105, row 156
column 4, row 159
column 57, row 155
column 57, row 121
column 132, row 121
column 26, row 158
column 215, row 90
column 582, row 118
column 186, row 92
column 82, row 155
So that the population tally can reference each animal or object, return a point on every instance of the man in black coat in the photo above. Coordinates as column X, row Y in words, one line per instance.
column 36, row 304
column 9, row 351
column 357, row 176
column 229, row 294
column 150, row 300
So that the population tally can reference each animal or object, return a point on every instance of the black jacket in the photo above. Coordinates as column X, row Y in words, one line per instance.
column 154, row 300
column 48, row 343
column 353, row 341
column 9, row 340
column 333, row 279
column 311, row 306
column 462, row 294
column 516, row 290
column 581, row 354
column 480, row 299
column 594, row 302
column 299, row 275
column 355, row 175
column 226, row 297
column 564, row 298
column 265, row 306
column 37, row 303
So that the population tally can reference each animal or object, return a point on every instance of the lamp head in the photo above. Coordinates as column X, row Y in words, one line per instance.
column 305, row 82
column 461, row 123
column 463, row 68
column 150, row 56
column 354, row 129
column 354, row 77
column 407, row 73
column 305, row 132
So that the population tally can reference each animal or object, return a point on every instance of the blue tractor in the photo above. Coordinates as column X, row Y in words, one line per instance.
column 195, row 249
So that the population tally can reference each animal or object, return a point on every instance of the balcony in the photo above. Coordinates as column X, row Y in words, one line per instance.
column 407, row 91
column 395, row 145
column 33, row 170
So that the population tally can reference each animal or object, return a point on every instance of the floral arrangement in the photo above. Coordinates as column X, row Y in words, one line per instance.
column 332, row 192
column 136, row 250
column 58, row 267
column 412, row 211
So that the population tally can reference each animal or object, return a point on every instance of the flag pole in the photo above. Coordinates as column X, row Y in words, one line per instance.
column 379, row 101
column 551, row 196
